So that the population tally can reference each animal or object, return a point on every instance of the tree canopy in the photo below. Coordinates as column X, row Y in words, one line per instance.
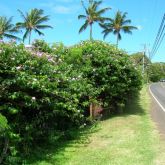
column 118, row 24
column 33, row 21
column 7, row 28
column 92, row 14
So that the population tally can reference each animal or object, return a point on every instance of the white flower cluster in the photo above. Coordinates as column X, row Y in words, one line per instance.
column 18, row 67
column 33, row 98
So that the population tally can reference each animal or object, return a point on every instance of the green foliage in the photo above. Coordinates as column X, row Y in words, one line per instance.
column 152, row 71
column 92, row 15
column 156, row 71
column 118, row 24
column 107, row 69
column 59, row 49
column 142, row 63
column 137, row 59
column 33, row 21
column 49, row 89
column 38, row 95
column 42, row 46
column 3, row 123
column 7, row 29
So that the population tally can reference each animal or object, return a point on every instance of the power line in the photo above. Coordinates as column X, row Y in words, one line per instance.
column 158, row 34
column 159, row 38
column 159, row 41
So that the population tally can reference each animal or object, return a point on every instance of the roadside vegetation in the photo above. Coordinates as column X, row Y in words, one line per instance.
column 153, row 71
column 49, row 95
column 45, row 92
column 130, row 138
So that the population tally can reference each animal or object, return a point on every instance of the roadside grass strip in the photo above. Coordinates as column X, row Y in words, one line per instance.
column 130, row 138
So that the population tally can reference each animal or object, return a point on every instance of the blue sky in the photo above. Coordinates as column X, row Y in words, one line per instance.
column 145, row 14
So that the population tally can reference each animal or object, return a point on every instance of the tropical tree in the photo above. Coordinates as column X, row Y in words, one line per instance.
column 117, row 25
column 32, row 21
column 139, row 59
column 156, row 71
column 7, row 29
column 92, row 15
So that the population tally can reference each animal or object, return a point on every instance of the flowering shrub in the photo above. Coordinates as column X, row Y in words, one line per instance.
column 38, row 95
column 108, row 69
column 41, row 46
column 42, row 91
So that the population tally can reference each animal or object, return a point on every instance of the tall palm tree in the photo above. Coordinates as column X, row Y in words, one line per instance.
column 92, row 15
column 32, row 21
column 117, row 25
column 7, row 29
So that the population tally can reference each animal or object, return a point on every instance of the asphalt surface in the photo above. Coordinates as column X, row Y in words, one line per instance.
column 157, row 91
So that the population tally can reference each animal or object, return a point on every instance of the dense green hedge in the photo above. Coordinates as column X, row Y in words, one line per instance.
column 38, row 94
column 47, row 91
column 107, row 68
column 156, row 71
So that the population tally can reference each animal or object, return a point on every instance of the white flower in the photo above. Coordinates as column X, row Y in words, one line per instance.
column 33, row 98
column 18, row 67
column 13, row 58
column 39, row 54
column 50, row 60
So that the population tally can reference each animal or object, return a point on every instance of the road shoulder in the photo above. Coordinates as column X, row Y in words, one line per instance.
column 158, row 116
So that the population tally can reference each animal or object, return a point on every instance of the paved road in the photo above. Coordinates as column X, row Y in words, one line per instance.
column 157, row 91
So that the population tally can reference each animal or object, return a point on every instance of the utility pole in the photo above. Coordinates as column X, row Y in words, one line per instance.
column 145, row 73
column 144, row 54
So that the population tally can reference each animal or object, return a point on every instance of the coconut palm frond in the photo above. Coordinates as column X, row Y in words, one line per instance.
column 32, row 21
column 92, row 15
column 7, row 29
column 83, row 27
column 118, row 24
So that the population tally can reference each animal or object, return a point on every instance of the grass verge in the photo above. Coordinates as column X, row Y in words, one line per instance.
column 128, row 139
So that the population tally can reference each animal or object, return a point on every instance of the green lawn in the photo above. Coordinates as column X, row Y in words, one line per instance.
column 128, row 139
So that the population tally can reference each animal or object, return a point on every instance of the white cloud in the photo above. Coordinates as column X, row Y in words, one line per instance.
column 63, row 8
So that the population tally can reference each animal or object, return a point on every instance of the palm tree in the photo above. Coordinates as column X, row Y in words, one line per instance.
column 32, row 21
column 117, row 25
column 7, row 29
column 92, row 15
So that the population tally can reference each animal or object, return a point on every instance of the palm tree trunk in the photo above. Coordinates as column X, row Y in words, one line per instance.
column 30, row 36
column 91, row 32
